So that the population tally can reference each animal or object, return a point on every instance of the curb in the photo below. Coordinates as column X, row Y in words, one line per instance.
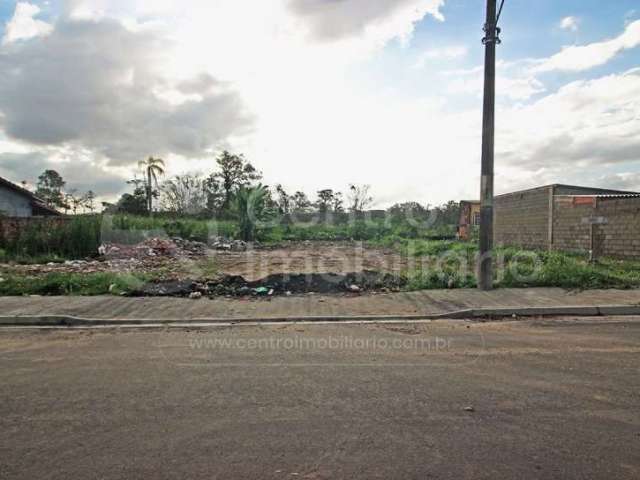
column 468, row 314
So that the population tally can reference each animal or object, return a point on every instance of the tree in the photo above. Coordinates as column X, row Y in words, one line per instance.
column 73, row 201
column 215, row 194
column 359, row 198
column 88, row 200
column 409, row 210
column 50, row 188
column 185, row 194
column 135, row 203
column 325, row 200
column 300, row 202
column 152, row 168
column 447, row 214
column 250, row 206
column 338, row 202
column 284, row 200
column 235, row 172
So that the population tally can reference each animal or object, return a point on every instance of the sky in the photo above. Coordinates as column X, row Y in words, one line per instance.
column 321, row 93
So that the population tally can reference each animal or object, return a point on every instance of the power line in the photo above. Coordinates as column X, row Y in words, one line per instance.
column 499, row 12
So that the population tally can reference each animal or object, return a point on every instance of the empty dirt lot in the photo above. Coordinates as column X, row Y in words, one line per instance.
column 309, row 257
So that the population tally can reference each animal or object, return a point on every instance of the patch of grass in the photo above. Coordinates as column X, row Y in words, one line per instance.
column 378, row 232
column 449, row 264
column 70, row 284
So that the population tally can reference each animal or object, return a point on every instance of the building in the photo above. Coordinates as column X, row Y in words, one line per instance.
column 570, row 218
column 469, row 218
column 16, row 201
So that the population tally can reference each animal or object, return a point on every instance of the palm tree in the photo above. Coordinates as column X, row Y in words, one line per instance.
column 152, row 167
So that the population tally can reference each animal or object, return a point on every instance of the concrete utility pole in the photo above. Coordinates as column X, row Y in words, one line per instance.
column 490, row 40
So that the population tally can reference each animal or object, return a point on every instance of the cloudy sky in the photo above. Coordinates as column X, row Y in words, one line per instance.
column 321, row 93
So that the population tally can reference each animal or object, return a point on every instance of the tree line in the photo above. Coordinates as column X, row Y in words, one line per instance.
column 234, row 185
column 214, row 195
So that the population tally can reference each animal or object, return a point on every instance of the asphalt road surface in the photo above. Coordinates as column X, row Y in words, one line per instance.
column 537, row 399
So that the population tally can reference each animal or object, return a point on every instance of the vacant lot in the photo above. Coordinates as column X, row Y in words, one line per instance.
column 136, row 255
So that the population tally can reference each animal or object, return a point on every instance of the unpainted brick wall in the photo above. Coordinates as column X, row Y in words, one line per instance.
column 618, row 238
column 522, row 219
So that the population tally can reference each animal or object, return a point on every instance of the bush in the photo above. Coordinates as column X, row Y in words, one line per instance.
column 132, row 229
column 76, row 238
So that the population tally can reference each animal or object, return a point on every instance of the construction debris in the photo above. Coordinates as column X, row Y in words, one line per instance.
column 225, row 244
column 237, row 286
column 155, row 247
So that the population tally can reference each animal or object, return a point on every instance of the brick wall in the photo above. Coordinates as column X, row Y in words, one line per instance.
column 10, row 227
column 522, row 219
column 618, row 238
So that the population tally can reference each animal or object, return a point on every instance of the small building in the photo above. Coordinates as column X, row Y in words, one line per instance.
column 16, row 201
column 570, row 218
column 469, row 218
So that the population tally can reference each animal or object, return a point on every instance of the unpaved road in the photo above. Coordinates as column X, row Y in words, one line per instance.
column 550, row 399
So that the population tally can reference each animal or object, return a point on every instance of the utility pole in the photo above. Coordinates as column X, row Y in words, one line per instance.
column 490, row 40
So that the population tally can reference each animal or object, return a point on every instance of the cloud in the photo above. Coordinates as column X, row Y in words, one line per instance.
column 330, row 20
column 100, row 86
column 79, row 171
column 443, row 53
column 23, row 25
column 570, row 23
column 586, row 125
column 513, row 81
column 584, row 57
column 622, row 181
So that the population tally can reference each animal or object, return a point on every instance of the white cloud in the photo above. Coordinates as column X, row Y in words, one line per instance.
column 385, row 19
column 570, row 23
column 443, row 53
column 585, row 127
column 513, row 81
column 23, row 25
column 584, row 57
column 622, row 181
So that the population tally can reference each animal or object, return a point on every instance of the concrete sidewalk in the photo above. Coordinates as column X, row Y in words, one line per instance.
column 426, row 303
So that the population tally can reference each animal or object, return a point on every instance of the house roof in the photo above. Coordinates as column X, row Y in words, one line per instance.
column 36, row 202
column 604, row 195
column 591, row 190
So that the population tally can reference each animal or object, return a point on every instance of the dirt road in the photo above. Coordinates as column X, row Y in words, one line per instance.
column 546, row 399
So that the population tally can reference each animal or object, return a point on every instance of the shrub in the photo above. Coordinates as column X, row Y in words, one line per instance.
column 76, row 238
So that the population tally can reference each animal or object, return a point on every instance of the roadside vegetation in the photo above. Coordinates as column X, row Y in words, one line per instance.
column 451, row 264
column 44, row 242
column 71, row 284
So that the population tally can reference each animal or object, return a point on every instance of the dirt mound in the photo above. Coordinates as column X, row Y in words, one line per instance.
column 277, row 284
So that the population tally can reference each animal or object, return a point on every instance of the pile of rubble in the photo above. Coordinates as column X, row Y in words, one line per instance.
column 154, row 247
column 147, row 256
column 226, row 244
column 279, row 284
